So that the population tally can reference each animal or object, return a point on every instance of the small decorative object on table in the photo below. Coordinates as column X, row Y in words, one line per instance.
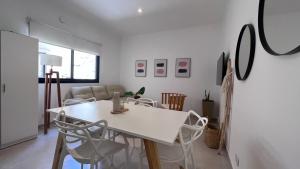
column 117, row 107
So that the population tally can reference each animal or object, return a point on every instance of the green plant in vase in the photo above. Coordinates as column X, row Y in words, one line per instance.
column 207, row 105
column 139, row 93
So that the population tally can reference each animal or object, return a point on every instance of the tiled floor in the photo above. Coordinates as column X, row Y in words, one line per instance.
column 38, row 154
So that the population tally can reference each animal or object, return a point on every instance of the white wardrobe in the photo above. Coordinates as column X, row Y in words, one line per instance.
column 19, row 88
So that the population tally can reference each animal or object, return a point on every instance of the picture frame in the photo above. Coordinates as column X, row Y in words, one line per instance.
column 160, row 67
column 183, row 67
column 140, row 68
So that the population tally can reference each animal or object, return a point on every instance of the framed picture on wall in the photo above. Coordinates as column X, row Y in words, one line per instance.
column 183, row 67
column 160, row 67
column 140, row 68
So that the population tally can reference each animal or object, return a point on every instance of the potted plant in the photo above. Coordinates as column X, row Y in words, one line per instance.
column 207, row 105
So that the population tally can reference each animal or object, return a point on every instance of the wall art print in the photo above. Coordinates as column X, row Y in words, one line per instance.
column 183, row 67
column 140, row 68
column 160, row 67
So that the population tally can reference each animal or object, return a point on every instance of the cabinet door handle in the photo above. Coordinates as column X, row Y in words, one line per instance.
column 3, row 88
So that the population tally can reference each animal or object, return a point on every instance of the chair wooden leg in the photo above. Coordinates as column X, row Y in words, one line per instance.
column 152, row 154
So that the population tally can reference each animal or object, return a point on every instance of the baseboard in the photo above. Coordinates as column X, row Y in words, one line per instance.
column 3, row 146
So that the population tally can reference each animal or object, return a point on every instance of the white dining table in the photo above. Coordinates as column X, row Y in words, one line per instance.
column 153, row 125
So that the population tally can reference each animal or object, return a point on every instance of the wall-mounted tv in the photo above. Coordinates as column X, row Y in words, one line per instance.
column 221, row 68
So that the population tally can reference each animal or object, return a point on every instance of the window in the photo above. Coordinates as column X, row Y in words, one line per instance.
column 64, row 70
column 82, row 65
column 77, row 67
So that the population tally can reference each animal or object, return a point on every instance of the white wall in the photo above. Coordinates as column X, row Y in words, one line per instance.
column 265, row 114
column 14, row 12
column 199, row 43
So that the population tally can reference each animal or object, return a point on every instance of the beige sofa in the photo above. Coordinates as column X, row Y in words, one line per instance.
column 100, row 92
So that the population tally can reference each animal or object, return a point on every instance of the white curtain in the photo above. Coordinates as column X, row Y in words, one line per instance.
column 49, row 34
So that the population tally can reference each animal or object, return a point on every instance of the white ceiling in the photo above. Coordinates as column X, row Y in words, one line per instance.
column 158, row 15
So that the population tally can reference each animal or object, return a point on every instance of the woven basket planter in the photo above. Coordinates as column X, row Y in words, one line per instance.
column 212, row 136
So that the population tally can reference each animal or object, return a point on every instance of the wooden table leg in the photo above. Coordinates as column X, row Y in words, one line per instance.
column 152, row 154
column 58, row 150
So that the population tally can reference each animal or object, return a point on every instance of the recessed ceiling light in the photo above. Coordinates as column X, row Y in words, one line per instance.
column 140, row 10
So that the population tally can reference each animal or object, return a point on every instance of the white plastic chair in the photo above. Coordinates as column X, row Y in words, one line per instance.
column 143, row 101
column 147, row 101
column 74, row 101
column 181, row 153
column 130, row 99
column 83, row 147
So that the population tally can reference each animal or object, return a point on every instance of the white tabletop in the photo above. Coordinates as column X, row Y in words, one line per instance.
column 155, row 124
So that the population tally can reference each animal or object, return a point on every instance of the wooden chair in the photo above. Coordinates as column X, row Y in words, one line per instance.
column 175, row 101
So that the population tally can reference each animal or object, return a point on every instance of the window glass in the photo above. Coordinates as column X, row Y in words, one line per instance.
column 84, row 65
column 65, row 69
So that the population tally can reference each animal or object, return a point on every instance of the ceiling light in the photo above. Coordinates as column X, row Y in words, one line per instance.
column 140, row 10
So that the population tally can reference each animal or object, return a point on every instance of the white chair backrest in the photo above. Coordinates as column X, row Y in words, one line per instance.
column 77, row 135
column 74, row 101
column 143, row 101
column 130, row 99
column 194, row 131
column 147, row 101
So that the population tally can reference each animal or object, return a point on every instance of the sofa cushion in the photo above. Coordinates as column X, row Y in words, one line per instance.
column 115, row 88
column 68, row 95
column 100, row 92
column 83, row 92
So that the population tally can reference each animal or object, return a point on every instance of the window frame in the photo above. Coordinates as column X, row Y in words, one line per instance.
column 72, row 80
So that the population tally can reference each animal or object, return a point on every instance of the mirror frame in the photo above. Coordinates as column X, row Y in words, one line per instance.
column 252, row 52
column 261, row 31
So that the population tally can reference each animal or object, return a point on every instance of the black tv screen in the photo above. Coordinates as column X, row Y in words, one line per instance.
column 221, row 69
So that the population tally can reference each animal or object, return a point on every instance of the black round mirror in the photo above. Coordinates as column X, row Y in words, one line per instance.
column 245, row 52
column 278, row 26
